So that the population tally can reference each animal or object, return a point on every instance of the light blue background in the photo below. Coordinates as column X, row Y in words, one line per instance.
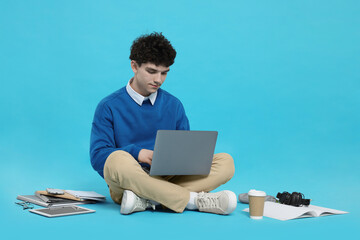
column 279, row 80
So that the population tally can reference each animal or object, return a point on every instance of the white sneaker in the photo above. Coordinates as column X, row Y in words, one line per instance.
column 223, row 202
column 132, row 203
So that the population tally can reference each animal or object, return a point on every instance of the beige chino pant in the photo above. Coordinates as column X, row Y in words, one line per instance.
column 123, row 172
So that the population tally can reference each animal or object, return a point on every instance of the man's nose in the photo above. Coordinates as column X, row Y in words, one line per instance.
column 158, row 78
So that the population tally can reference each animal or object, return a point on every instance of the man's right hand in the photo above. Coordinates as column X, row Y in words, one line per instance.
column 145, row 156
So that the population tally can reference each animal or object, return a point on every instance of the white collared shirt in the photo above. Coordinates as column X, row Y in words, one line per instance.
column 138, row 98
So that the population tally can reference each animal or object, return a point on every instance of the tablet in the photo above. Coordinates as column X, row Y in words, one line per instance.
column 61, row 211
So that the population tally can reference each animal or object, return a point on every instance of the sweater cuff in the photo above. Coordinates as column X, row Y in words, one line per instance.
column 134, row 151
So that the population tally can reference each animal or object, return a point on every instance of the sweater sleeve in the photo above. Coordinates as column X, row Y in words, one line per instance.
column 102, row 142
column 182, row 122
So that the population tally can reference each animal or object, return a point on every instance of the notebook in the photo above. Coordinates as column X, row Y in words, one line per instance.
column 286, row 212
column 86, row 195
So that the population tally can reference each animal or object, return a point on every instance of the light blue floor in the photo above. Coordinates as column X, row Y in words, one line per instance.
column 327, row 188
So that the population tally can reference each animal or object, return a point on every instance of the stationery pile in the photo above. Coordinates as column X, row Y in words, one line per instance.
column 57, row 197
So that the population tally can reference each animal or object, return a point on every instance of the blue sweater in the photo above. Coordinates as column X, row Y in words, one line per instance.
column 121, row 124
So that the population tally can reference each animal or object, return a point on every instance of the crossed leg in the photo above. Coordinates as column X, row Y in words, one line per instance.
column 123, row 172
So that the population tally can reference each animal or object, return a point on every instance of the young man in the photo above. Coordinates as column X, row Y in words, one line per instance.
column 123, row 137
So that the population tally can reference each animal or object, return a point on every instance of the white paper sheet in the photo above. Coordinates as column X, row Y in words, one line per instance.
column 285, row 212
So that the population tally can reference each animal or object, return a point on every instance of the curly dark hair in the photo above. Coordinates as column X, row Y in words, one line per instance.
column 153, row 48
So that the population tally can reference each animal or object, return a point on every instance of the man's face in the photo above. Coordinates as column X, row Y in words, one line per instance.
column 148, row 77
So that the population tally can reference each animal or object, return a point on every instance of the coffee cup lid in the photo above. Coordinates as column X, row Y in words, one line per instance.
column 254, row 192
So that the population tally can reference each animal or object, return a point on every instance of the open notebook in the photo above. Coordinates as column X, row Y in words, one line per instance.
column 285, row 212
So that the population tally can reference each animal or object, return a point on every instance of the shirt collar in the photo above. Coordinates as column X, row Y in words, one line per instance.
column 138, row 98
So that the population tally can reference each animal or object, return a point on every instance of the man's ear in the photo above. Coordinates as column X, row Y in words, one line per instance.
column 134, row 66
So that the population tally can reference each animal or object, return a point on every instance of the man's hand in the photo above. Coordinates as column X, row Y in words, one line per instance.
column 145, row 156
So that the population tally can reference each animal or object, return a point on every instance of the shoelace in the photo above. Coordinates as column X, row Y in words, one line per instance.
column 207, row 201
column 143, row 203
column 149, row 204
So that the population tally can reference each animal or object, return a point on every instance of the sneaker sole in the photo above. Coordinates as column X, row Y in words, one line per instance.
column 128, row 197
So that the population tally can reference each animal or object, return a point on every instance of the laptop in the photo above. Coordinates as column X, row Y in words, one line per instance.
column 179, row 152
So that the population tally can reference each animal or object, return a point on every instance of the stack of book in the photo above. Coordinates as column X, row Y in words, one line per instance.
column 62, row 198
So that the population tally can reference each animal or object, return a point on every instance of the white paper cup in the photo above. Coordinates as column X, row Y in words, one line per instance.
column 256, row 203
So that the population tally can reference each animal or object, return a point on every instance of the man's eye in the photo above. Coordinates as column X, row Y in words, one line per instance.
column 164, row 73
